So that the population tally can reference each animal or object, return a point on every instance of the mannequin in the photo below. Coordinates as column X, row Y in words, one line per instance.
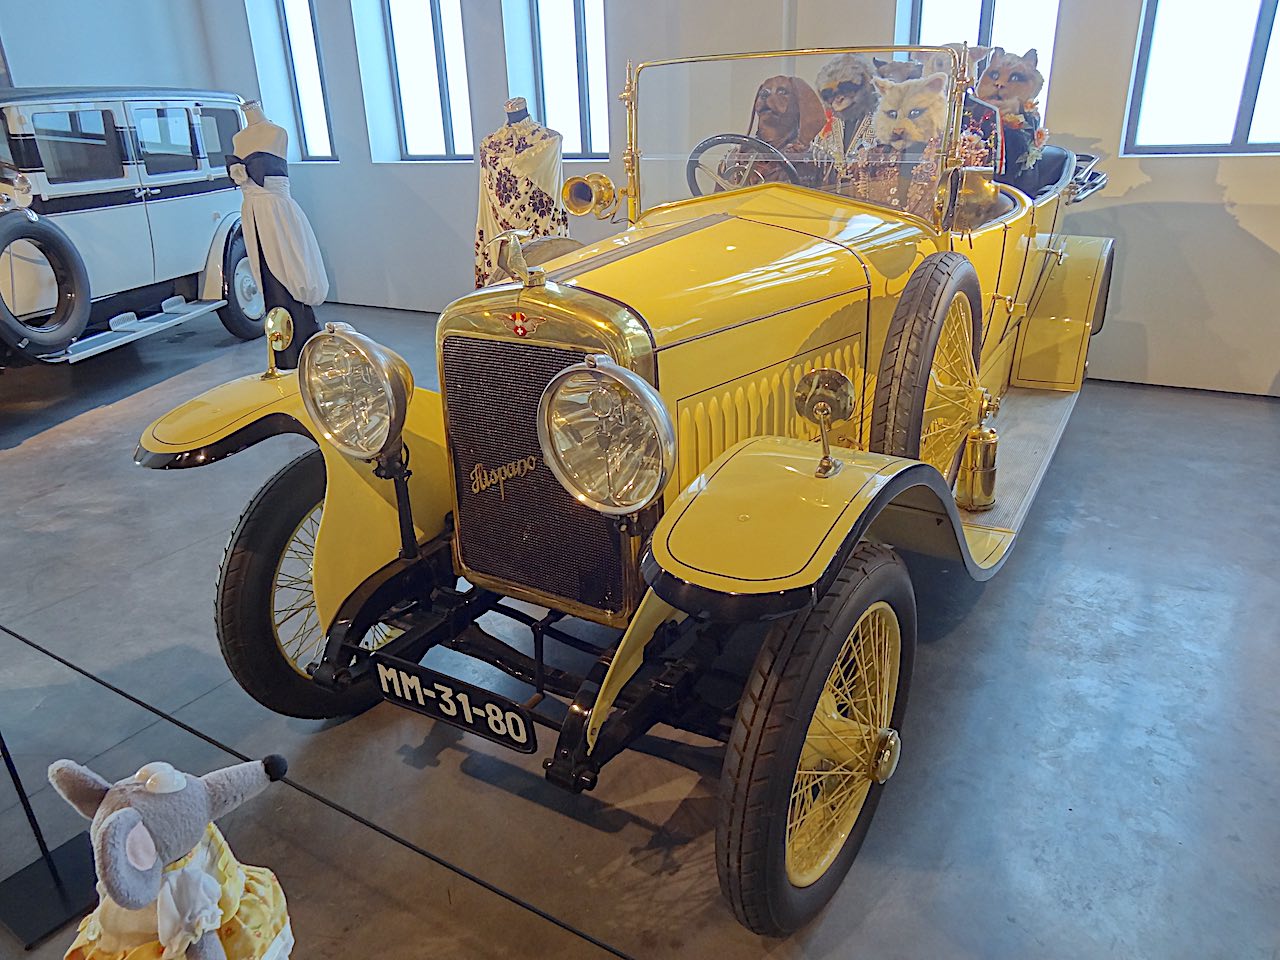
column 260, row 135
column 282, row 249
column 520, row 177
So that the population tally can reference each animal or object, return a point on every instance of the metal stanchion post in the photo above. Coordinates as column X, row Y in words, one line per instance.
column 43, row 896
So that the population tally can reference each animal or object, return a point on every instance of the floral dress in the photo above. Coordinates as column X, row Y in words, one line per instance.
column 520, row 176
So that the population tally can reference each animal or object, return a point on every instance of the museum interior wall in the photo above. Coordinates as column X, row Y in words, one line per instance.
column 1193, row 294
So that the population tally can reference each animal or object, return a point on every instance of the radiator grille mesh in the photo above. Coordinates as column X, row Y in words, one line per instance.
column 527, row 530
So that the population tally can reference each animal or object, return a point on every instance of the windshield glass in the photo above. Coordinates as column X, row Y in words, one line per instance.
column 872, row 125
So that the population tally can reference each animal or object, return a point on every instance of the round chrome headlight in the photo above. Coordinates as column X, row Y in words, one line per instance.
column 606, row 436
column 355, row 390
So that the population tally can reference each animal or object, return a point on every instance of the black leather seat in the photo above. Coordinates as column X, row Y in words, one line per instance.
column 1051, row 172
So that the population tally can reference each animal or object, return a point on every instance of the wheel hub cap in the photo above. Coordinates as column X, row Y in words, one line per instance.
column 888, row 753
column 245, row 288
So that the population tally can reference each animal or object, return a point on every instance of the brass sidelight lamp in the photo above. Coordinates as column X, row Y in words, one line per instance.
column 825, row 396
column 279, row 329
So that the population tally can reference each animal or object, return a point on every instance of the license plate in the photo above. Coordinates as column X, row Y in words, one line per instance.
column 480, row 711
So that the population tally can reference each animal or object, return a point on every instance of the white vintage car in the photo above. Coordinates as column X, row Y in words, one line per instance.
column 117, row 219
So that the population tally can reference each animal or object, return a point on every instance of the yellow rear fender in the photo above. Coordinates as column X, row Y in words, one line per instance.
column 758, row 535
column 222, row 422
column 1068, row 307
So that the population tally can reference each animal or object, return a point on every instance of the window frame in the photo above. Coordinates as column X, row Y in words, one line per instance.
column 986, row 22
column 442, row 77
column 303, row 147
column 112, row 141
column 160, row 109
column 207, row 110
column 589, row 151
column 1240, row 143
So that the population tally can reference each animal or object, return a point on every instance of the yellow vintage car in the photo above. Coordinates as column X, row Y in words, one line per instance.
column 712, row 432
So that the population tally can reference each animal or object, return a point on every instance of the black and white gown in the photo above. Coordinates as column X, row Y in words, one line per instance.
column 280, row 244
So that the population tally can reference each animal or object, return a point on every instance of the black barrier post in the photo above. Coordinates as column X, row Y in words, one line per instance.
column 41, row 897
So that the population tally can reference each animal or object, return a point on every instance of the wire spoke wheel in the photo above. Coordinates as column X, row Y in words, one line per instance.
column 269, row 627
column 294, row 617
column 953, row 398
column 845, row 747
column 927, row 393
column 814, row 742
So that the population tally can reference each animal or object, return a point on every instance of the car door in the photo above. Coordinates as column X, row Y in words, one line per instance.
column 186, row 198
column 86, row 184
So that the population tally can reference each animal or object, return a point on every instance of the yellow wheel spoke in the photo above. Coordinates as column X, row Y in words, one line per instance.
column 834, row 772
column 953, row 395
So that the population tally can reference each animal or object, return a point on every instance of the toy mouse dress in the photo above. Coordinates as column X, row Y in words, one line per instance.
column 202, row 905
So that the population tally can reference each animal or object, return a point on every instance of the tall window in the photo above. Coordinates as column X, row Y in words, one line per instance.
column 1178, row 107
column 429, row 77
column 302, row 48
column 555, row 60
column 1016, row 25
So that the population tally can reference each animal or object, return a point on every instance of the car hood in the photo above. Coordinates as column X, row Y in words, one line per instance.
column 694, row 267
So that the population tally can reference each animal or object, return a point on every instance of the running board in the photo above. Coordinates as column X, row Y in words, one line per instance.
column 127, row 327
column 1030, row 424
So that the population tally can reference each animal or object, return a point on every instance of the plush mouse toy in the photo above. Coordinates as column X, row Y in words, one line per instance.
column 168, row 885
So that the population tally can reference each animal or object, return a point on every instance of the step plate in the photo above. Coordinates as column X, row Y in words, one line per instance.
column 1030, row 425
column 132, row 330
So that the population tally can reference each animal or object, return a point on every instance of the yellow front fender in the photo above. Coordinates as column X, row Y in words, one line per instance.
column 223, row 421
column 759, row 535
column 359, row 528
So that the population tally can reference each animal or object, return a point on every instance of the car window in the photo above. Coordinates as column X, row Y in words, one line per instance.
column 164, row 134
column 217, row 127
column 6, row 149
column 78, row 145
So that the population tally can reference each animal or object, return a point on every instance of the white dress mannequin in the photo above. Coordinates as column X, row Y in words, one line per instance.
column 281, row 246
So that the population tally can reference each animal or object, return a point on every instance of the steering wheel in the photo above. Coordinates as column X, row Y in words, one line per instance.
column 738, row 174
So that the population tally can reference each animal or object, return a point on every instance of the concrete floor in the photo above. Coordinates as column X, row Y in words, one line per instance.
column 1091, row 763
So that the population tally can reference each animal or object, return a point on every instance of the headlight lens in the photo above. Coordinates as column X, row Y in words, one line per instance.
column 356, row 390
column 606, row 436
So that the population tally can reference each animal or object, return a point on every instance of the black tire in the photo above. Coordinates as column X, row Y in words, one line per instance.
column 71, row 314
column 897, row 414
column 773, row 718
column 246, row 631
column 233, row 316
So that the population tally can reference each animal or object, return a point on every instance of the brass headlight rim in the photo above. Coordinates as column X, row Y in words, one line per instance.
column 394, row 376
column 649, row 399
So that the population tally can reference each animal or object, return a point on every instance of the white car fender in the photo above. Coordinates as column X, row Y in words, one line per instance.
column 210, row 281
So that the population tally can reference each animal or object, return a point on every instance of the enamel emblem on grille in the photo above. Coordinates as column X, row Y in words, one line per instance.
column 522, row 325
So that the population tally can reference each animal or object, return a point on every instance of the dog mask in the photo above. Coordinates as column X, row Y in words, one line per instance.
column 786, row 111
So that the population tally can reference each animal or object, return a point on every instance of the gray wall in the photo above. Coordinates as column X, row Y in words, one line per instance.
column 1198, row 277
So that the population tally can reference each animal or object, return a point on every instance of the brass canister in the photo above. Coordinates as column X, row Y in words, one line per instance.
column 976, row 485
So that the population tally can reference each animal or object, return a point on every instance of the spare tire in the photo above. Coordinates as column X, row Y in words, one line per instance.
column 38, row 336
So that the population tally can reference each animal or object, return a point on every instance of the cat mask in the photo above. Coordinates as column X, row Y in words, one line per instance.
column 1010, row 81
column 910, row 113
column 899, row 70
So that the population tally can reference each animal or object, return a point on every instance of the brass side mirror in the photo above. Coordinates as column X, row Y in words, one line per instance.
column 278, row 327
column 594, row 193
column 826, row 396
